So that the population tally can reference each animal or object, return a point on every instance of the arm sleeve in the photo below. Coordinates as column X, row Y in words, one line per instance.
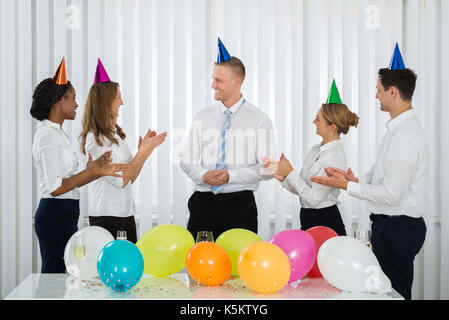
column 367, row 177
column 315, row 193
column 51, row 157
column 400, row 167
column 265, row 146
column 286, row 184
column 191, row 153
column 93, row 148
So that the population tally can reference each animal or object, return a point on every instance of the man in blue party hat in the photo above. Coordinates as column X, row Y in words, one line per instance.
column 394, row 189
column 223, row 154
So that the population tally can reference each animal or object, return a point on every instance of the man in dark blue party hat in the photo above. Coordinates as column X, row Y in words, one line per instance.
column 394, row 190
column 223, row 154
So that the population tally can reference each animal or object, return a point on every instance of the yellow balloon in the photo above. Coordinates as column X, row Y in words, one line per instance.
column 264, row 267
column 234, row 241
column 164, row 249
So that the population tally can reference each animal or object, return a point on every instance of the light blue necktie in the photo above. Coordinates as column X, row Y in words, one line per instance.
column 221, row 159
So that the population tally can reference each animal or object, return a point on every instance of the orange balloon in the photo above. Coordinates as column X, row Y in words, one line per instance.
column 264, row 267
column 208, row 263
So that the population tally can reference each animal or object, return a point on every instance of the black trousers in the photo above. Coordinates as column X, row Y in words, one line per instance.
column 56, row 220
column 114, row 224
column 395, row 242
column 221, row 212
column 328, row 217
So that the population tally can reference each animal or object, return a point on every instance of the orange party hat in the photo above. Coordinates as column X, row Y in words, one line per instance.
column 60, row 76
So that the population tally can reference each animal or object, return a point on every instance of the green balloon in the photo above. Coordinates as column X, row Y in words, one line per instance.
column 164, row 249
column 234, row 241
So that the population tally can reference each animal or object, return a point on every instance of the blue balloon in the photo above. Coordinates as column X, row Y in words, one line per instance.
column 120, row 265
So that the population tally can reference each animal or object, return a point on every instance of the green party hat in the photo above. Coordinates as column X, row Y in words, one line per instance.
column 334, row 96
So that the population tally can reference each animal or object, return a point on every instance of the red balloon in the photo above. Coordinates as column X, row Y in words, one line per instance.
column 320, row 234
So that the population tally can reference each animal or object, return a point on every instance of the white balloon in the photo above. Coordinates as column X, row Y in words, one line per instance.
column 94, row 239
column 349, row 265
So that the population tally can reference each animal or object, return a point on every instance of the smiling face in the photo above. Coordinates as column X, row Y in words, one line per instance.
column 386, row 97
column 323, row 129
column 116, row 103
column 225, row 83
column 68, row 104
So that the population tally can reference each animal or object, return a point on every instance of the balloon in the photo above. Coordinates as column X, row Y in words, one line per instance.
column 300, row 249
column 320, row 234
column 234, row 241
column 349, row 265
column 94, row 239
column 264, row 267
column 208, row 263
column 120, row 265
column 164, row 249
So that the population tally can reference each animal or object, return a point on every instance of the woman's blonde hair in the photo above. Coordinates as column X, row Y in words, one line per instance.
column 98, row 117
column 340, row 115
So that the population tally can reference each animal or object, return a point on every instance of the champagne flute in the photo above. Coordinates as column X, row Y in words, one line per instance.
column 121, row 235
column 204, row 236
column 80, row 254
column 364, row 236
column 80, row 250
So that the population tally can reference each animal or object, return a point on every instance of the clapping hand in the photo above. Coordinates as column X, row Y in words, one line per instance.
column 330, row 171
column 336, row 178
column 103, row 166
column 151, row 141
column 278, row 169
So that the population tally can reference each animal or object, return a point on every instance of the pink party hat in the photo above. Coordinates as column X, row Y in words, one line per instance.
column 100, row 73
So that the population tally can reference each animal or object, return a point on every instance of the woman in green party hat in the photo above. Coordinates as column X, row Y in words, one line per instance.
column 318, row 202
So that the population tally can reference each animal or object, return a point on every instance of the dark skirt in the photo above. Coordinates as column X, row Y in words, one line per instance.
column 114, row 224
column 328, row 217
column 56, row 220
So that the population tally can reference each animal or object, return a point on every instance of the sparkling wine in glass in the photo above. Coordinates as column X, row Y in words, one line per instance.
column 364, row 236
column 121, row 235
column 80, row 249
column 204, row 236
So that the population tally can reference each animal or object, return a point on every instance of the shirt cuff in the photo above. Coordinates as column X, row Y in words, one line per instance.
column 354, row 189
column 199, row 179
column 292, row 181
column 233, row 176
column 292, row 176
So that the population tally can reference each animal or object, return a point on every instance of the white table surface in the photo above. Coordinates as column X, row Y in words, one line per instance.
column 178, row 286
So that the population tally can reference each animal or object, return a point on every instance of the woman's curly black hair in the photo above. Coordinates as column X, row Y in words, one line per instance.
column 46, row 94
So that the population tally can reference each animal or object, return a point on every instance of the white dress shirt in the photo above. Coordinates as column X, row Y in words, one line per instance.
column 250, row 137
column 106, row 195
column 396, row 183
column 314, row 195
column 54, row 159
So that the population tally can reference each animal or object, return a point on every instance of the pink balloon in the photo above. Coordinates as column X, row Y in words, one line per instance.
column 300, row 248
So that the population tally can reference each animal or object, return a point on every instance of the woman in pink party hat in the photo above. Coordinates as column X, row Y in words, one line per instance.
column 56, row 219
column 111, row 202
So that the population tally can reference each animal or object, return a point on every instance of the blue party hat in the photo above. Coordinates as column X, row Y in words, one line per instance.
column 396, row 62
column 223, row 54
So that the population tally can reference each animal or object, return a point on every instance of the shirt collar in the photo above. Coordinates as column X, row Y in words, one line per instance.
column 234, row 108
column 49, row 123
column 393, row 123
column 329, row 145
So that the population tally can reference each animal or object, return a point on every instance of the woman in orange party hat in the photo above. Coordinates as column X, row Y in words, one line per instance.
column 56, row 219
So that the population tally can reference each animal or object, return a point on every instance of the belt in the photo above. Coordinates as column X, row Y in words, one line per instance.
column 376, row 217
